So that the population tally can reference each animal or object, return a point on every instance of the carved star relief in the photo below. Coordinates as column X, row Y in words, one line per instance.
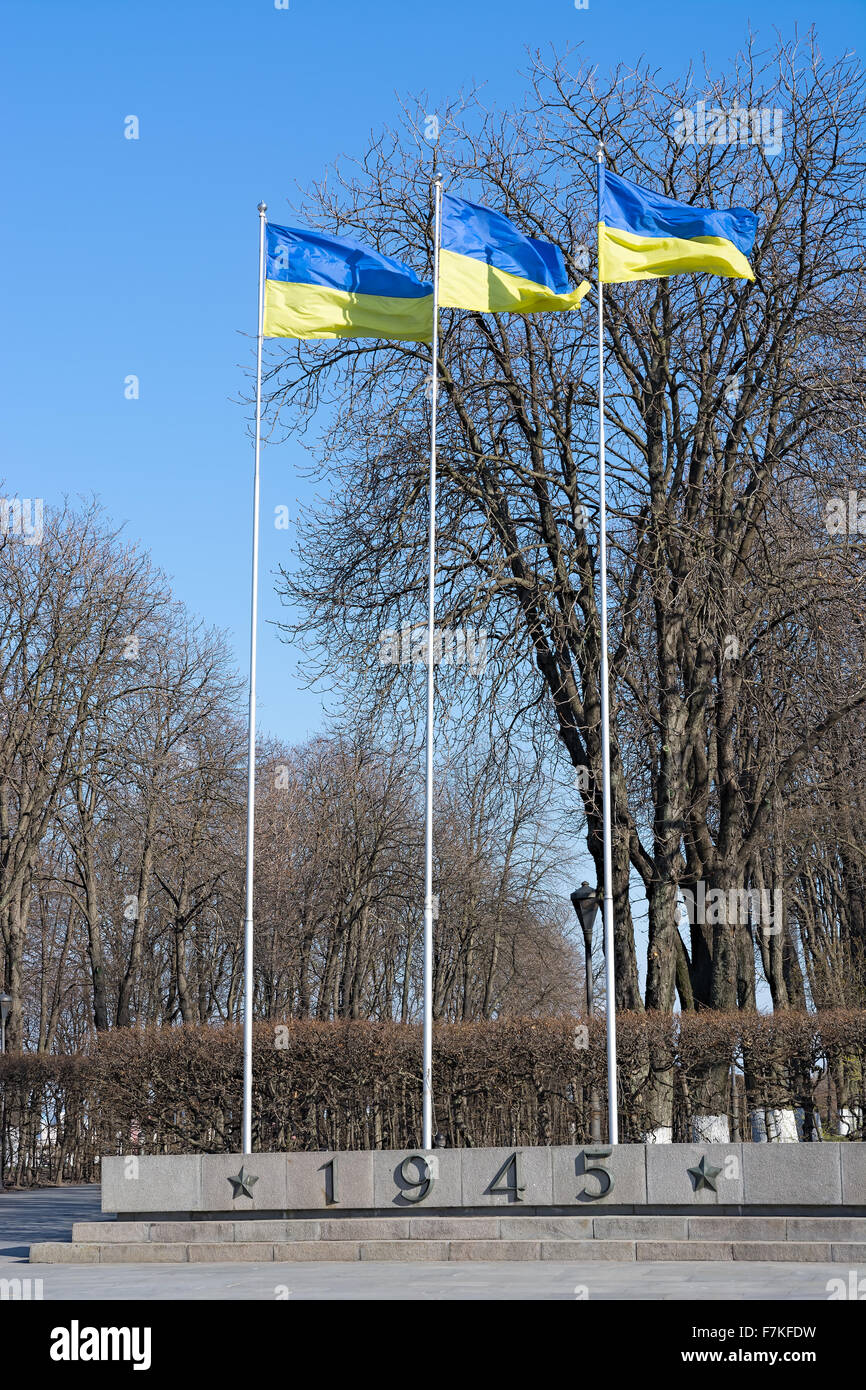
column 705, row 1175
column 242, row 1183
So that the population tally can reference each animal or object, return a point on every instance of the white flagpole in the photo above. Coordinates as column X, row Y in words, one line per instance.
column 427, row 1065
column 251, row 750
column 609, row 972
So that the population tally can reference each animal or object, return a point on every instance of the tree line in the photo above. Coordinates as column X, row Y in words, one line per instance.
column 122, row 805
column 735, row 424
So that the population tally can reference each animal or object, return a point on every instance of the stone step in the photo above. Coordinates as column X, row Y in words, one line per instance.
column 835, row 1229
column 414, row 1250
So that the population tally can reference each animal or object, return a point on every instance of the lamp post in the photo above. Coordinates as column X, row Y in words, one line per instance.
column 5, row 1008
column 584, row 900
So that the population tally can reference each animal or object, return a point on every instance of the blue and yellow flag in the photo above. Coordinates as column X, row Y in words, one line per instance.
column 643, row 235
column 487, row 264
column 319, row 286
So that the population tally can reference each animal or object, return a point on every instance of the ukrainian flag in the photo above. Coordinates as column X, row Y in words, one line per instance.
column 642, row 235
column 487, row 264
column 319, row 286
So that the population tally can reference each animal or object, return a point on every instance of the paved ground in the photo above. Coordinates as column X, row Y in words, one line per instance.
column 44, row 1213
column 523, row 1282
column 48, row 1214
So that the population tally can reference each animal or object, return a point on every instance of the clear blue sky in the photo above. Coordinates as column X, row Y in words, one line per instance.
column 138, row 257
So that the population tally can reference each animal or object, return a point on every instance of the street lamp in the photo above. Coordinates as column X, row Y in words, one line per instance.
column 584, row 900
column 5, row 1010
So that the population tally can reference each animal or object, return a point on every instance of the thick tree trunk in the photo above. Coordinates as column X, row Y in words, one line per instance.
column 136, row 951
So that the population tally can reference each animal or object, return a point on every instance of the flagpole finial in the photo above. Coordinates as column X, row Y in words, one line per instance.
column 600, row 150
column 263, row 207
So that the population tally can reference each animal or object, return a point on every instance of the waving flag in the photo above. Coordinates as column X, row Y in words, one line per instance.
column 319, row 286
column 644, row 235
column 489, row 265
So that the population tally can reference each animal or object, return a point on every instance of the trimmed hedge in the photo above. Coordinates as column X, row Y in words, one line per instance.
column 356, row 1085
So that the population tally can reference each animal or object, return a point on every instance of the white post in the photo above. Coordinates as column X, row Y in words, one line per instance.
column 609, row 973
column 427, row 1063
column 251, row 750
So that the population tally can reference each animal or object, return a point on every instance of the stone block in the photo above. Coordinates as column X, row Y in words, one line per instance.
column 579, row 1178
column 60, row 1252
column 849, row 1252
column 327, row 1181
column 852, row 1158
column 104, row 1232
column 365, row 1228
column 517, row 1175
column 155, row 1183
column 232, row 1252
column 411, row 1178
column 838, row 1228
column 299, row 1251
column 454, row 1227
column 797, row 1252
column 150, row 1252
column 264, row 1183
column 737, row 1228
column 694, row 1174
column 545, row 1227
column 192, row 1232
column 641, row 1227
column 618, row 1251
column 799, row 1175
column 404, row 1251
column 648, row 1251
column 513, row 1250
column 266, row 1228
